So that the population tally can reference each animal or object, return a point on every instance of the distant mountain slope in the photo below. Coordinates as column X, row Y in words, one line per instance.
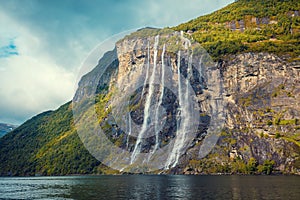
column 46, row 144
column 5, row 128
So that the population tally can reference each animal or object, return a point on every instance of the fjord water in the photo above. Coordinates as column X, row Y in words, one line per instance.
column 151, row 187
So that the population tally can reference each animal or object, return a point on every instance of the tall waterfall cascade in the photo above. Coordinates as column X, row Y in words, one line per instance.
column 156, row 105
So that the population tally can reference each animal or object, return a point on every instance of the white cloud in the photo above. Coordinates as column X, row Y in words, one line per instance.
column 32, row 81
column 53, row 43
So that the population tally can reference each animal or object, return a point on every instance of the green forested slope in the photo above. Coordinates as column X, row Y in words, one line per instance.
column 47, row 144
column 250, row 26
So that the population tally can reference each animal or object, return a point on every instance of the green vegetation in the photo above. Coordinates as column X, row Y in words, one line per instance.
column 47, row 144
column 277, row 135
column 101, row 108
column 148, row 32
column 293, row 140
column 252, row 165
column 266, row 167
column 237, row 166
column 249, row 26
column 288, row 122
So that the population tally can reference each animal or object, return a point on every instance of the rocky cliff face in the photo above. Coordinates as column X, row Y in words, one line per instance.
column 161, row 95
column 262, row 95
column 262, row 98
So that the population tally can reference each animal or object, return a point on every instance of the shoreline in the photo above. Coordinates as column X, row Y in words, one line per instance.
column 128, row 174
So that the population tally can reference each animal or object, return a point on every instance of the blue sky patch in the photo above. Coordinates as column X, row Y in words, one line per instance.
column 8, row 50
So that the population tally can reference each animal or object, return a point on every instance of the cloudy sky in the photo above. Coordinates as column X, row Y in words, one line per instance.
column 44, row 42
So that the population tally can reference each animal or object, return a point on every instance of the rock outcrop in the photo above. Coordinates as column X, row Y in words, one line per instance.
column 257, row 93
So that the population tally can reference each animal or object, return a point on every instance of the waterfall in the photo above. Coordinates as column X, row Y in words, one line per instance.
column 174, row 156
column 129, row 130
column 200, row 68
column 186, row 42
column 187, row 81
column 186, row 105
column 137, row 147
column 160, row 98
column 147, row 71
column 183, row 116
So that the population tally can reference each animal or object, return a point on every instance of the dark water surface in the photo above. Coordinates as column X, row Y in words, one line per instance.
column 151, row 187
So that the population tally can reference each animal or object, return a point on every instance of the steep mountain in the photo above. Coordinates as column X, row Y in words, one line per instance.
column 5, row 128
column 247, row 102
